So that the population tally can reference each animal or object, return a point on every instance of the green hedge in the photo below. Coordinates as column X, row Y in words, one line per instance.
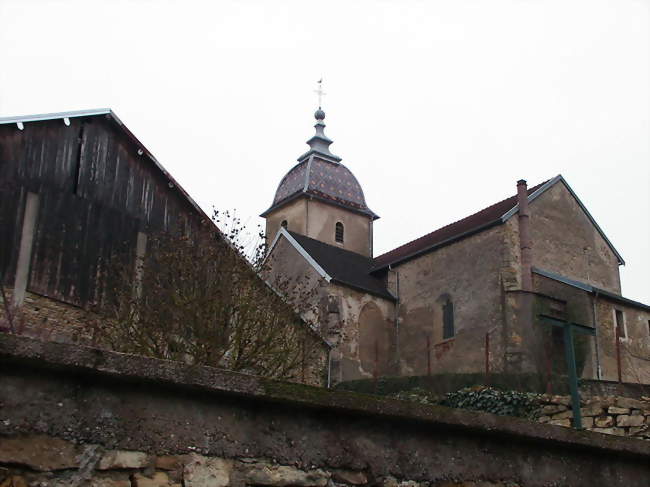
column 503, row 403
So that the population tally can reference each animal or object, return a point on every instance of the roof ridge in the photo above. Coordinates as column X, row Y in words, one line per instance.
column 440, row 229
column 38, row 117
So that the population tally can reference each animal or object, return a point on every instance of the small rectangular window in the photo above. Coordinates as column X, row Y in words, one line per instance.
column 620, row 324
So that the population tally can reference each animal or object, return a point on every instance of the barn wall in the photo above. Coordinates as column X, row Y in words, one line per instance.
column 95, row 192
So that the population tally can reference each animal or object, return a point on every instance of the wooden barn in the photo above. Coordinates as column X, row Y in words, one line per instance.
column 74, row 187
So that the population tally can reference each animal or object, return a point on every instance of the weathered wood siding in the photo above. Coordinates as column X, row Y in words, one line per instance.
column 96, row 190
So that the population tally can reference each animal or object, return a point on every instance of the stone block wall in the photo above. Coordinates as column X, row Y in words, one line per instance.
column 55, row 463
column 75, row 416
column 613, row 388
column 621, row 416
column 49, row 319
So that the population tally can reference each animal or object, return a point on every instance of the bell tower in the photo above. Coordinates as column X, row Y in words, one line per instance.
column 320, row 198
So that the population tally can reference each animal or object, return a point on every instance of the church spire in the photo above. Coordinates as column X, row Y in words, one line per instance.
column 319, row 144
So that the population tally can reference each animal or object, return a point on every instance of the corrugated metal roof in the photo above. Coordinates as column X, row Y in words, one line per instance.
column 590, row 289
column 57, row 115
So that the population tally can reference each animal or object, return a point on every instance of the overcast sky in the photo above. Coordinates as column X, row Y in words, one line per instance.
column 437, row 107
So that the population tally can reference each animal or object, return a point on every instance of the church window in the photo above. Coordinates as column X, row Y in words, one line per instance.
column 338, row 232
column 447, row 319
column 284, row 224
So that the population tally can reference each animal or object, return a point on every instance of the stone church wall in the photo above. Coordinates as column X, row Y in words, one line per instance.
column 579, row 307
column 359, row 325
column 565, row 241
column 78, row 417
column 363, row 328
column 467, row 273
column 634, row 346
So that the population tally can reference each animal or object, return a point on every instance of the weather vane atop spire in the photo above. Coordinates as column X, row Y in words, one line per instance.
column 320, row 92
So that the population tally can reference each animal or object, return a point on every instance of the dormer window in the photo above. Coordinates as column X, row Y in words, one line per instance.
column 284, row 224
column 338, row 232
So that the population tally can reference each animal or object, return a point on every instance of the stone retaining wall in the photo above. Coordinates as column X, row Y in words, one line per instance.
column 75, row 416
column 59, row 467
column 593, row 387
column 611, row 415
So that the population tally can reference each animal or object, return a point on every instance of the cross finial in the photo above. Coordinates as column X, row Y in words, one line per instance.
column 320, row 92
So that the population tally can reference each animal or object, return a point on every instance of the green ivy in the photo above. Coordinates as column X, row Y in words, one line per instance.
column 503, row 403
column 417, row 395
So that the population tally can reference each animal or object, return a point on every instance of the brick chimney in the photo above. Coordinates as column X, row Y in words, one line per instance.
column 525, row 243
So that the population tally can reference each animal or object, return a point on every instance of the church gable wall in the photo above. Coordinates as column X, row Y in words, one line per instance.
column 290, row 274
column 466, row 274
column 565, row 241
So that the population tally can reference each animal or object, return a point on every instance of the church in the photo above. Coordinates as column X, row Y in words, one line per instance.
column 465, row 298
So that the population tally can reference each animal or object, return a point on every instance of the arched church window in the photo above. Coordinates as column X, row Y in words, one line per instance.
column 338, row 232
column 447, row 319
column 284, row 224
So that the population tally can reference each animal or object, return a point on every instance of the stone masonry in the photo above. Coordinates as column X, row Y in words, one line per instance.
column 76, row 416
column 67, row 465
column 621, row 416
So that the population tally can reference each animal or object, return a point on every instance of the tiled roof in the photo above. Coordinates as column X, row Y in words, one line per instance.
column 343, row 266
column 473, row 223
column 328, row 181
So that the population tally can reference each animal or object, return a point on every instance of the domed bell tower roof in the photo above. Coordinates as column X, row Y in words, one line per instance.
column 319, row 174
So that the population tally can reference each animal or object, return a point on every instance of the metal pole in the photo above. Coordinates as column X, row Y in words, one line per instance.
column 549, row 367
column 303, row 364
column 487, row 358
column 329, row 367
column 618, row 353
column 599, row 372
column 569, row 352
column 428, row 355
column 375, row 373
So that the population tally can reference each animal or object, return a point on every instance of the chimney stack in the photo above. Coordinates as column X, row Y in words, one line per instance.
column 525, row 244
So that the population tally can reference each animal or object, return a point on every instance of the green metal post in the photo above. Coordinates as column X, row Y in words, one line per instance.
column 569, row 351
column 570, row 354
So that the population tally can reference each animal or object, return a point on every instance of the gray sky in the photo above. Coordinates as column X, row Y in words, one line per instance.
column 438, row 107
